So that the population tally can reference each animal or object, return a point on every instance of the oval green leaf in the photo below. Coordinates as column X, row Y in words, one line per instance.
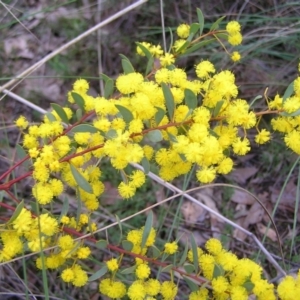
column 195, row 253
column 147, row 229
column 78, row 100
column 218, row 107
column 189, row 268
column 184, row 255
column 155, row 136
column 167, row 269
column 50, row 117
column 216, row 24
column 108, row 88
column 16, row 212
column 21, row 153
column 126, row 64
column 78, row 114
column 84, row 128
column 81, row 181
column 146, row 165
column 145, row 50
column 169, row 100
column 102, row 244
column 60, row 111
column 129, row 270
column 190, row 99
column 125, row 112
column 192, row 285
column 127, row 245
column 200, row 19
column 159, row 115
column 98, row 274
column 289, row 91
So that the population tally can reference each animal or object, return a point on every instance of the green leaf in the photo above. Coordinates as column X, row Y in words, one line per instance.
column 126, row 113
column 293, row 114
column 189, row 268
column 84, row 128
column 129, row 270
column 197, row 46
column 172, row 137
column 169, row 100
column 183, row 47
column 127, row 66
column 192, row 285
column 171, row 39
column 145, row 50
column 190, row 99
column 248, row 285
column 193, row 30
column 155, row 136
column 167, row 269
column 65, row 208
column 50, row 117
column 60, row 111
column 288, row 92
column 154, row 251
column 255, row 99
column 146, row 165
column 216, row 24
column 16, row 213
column 147, row 229
column 149, row 65
column 104, row 77
column 98, row 274
column 78, row 206
column 218, row 271
column 78, row 100
column 101, row 244
column 218, row 107
column 21, row 153
column 159, row 115
column 121, row 229
column 111, row 134
column 195, row 253
column 78, row 114
column 200, row 19
column 108, row 88
column 127, row 245
column 184, row 254
column 221, row 35
column 80, row 180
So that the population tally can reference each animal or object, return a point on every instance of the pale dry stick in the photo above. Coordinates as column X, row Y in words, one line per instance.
column 70, row 43
column 192, row 199
column 99, row 50
column 24, row 101
column 161, row 4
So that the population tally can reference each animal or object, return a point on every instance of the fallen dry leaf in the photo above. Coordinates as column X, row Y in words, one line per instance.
column 241, row 175
column 271, row 234
column 192, row 212
column 242, row 197
column 254, row 216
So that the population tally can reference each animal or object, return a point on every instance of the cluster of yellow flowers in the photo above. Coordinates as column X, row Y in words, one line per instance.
column 37, row 233
column 227, row 276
